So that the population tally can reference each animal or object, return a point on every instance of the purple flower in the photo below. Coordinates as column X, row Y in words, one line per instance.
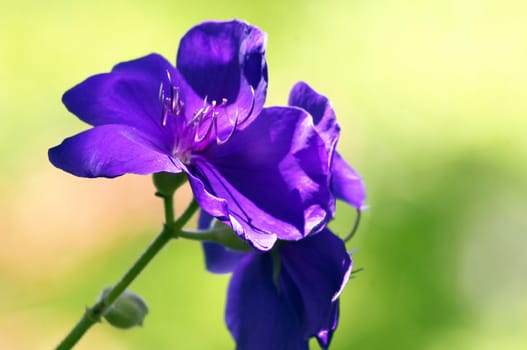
column 262, row 171
column 282, row 298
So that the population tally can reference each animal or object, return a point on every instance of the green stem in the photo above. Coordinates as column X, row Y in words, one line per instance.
column 94, row 314
column 223, row 236
column 168, row 203
column 207, row 236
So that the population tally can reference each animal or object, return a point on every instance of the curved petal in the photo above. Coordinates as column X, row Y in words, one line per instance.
column 226, row 60
column 346, row 183
column 213, row 205
column 110, row 151
column 319, row 267
column 204, row 220
column 273, row 176
column 216, row 205
column 324, row 336
column 303, row 96
column 128, row 95
column 257, row 314
column 218, row 259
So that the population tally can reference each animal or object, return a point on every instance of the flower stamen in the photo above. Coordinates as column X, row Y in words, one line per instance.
column 209, row 112
column 171, row 104
column 199, row 119
column 203, row 121
column 220, row 141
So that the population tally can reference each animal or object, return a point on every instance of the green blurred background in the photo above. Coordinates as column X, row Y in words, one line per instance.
column 431, row 97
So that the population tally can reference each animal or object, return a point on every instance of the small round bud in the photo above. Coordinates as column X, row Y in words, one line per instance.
column 129, row 310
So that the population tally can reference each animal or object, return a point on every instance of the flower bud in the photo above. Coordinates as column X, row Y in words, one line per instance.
column 129, row 310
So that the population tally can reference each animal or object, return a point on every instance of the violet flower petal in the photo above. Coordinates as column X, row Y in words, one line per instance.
column 204, row 220
column 218, row 259
column 274, row 177
column 303, row 96
column 325, row 335
column 110, row 151
column 319, row 267
column 258, row 316
column 226, row 60
column 127, row 95
column 216, row 204
column 346, row 182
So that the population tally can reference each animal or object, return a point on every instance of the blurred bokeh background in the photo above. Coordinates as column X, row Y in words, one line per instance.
column 432, row 101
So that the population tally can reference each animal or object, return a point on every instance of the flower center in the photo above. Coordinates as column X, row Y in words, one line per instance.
column 194, row 133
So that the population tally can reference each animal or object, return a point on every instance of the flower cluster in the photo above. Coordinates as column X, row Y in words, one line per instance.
column 271, row 174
